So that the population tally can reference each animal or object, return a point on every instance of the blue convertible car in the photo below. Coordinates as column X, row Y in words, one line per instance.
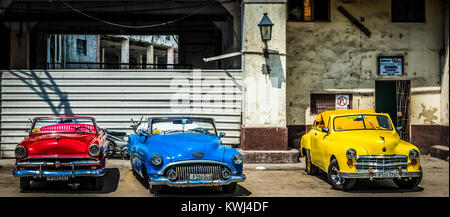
column 184, row 152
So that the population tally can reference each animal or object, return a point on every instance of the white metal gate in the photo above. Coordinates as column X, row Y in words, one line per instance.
column 116, row 96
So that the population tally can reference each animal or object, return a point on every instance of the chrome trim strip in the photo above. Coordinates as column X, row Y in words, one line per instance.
column 366, row 170
column 381, row 164
column 161, row 172
column 45, row 163
column 368, row 175
column 44, row 173
column 195, row 183
column 57, row 157
column 381, row 156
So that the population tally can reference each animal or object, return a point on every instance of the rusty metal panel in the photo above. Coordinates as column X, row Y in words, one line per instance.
column 116, row 96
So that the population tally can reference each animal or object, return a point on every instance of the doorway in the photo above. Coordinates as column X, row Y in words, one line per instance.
column 393, row 97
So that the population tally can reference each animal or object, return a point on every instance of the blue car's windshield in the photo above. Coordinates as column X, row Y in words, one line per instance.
column 168, row 126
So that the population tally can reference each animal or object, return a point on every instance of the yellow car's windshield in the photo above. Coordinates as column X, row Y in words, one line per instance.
column 362, row 122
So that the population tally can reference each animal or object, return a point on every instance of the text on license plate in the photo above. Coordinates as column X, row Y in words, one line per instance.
column 57, row 178
column 387, row 174
column 200, row 176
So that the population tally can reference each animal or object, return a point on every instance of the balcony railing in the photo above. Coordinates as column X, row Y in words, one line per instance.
column 96, row 65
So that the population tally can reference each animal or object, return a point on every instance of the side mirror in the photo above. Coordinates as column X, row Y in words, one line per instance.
column 221, row 134
column 142, row 133
column 325, row 130
column 399, row 128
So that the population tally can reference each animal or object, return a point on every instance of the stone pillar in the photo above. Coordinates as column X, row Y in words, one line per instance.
column 125, row 52
column 264, row 103
column 102, row 59
column 150, row 56
column 140, row 56
column 170, row 57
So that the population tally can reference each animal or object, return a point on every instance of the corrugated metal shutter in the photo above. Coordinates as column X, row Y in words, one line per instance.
column 116, row 96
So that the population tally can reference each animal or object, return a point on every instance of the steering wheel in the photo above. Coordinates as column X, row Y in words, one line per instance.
column 201, row 130
column 78, row 128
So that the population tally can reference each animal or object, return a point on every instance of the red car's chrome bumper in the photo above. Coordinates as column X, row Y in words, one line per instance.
column 58, row 167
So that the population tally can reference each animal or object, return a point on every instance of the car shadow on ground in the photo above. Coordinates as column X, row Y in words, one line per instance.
column 195, row 191
column 111, row 181
column 375, row 186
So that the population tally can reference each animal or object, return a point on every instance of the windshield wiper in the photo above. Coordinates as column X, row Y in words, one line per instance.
column 200, row 130
column 371, row 123
column 173, row 131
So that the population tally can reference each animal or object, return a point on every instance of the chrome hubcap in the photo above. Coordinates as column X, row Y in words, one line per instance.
column 335, row 178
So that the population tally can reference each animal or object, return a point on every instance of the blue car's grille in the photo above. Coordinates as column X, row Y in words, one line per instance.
column 184, row 171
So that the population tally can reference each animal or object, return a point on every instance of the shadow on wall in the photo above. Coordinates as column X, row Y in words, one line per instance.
column 276, row 73
column 43, row 88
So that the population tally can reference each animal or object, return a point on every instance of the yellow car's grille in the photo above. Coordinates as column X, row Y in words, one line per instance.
column 381, row 162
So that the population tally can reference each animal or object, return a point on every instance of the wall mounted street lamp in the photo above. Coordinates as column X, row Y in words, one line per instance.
column 265, row 26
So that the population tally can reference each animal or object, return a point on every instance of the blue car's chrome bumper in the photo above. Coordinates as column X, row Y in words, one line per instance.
column 195, row 183
column 71, row 173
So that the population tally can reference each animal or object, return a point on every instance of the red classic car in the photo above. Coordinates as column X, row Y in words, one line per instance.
column 69, row 148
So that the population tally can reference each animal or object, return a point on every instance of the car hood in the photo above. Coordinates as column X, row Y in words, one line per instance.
column 371, row 142
column 181, row 146
column 67, row 143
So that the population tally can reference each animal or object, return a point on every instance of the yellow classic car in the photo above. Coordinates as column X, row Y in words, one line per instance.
column 359, row 144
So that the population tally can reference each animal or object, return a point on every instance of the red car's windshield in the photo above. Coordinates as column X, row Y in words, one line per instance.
column 68, row 124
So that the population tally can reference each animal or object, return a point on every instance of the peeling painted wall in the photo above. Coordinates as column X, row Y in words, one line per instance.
column 264, row 95
column 336, row 57
column 445, row 69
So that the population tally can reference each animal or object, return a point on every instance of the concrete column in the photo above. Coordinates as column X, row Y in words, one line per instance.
column 150, row 56
column 140, row 57
column 264, row 104
column 445, row 76
column 125, row 53
column 170, row 57
column 102, row 58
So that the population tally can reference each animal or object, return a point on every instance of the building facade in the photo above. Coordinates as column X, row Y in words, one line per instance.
column 388, row 55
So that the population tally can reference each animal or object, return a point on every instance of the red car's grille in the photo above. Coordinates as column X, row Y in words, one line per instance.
column 58, row 163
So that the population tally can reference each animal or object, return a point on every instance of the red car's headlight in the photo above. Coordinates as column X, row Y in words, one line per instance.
column 94, row 150
column 20, row 151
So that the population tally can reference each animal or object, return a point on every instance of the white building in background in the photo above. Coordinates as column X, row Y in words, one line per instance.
column 112, row 51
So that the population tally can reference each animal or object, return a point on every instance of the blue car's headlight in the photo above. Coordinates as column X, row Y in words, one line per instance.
column 237, row 159
column 156, row 160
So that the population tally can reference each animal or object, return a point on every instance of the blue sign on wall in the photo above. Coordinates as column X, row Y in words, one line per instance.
column 390, row 65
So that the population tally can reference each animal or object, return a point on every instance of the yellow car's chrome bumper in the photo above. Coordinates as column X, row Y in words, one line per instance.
column 380, row 174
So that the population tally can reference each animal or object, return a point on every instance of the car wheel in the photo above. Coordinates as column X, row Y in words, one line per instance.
column 155, row 189
column 409, row 183
column 230, row 188
column 337, row 182
column 97, row 183
column 310, row 168
column 25, row 183
column 144, row 177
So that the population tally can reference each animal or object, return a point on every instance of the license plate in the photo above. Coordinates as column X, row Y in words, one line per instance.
column 200, row 177
column 387, row 174
column 57, row 178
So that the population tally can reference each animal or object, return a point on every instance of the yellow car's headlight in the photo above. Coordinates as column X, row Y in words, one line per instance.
column 351, row 153
column 413, row 155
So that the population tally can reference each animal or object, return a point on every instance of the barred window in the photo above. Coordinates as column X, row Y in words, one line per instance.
column 408, row 10
column 308, row 10
column 81, row 47
column 323, row 102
